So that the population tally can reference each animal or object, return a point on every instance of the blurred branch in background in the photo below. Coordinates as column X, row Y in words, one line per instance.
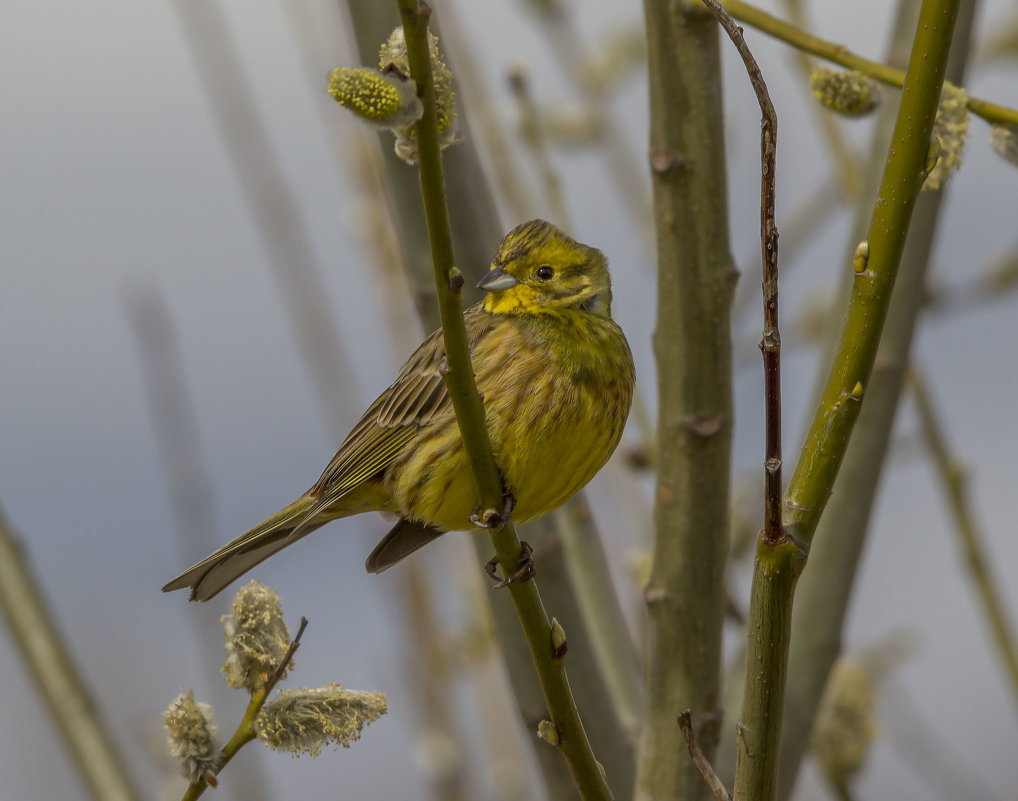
column 50, row 664
column 501, row 176
column 441, row 752
column 272, row 204
column 173, row 418
column 569, row 50
column 970, row 538
column 187, row 476
column 918, row 734
column 604, row 624
column 532, row 134
column 997, row 282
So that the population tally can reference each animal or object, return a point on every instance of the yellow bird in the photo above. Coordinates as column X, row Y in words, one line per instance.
column 556, row 375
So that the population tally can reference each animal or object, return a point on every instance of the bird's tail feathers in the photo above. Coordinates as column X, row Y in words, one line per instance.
column 214, row 573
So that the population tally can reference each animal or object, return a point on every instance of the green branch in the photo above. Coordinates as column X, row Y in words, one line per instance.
column 470, row 417
column 692, row 346
column 824, row 593
column 875, row 269
column 605, row 626
column 839, row 54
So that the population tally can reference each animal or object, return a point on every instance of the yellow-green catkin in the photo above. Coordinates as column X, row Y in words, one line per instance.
column 193, row 737
column 257, row 639
column 303, row 720
column 387, row 99
column 393, row 54
column 846, row 723
column 847, row 92
column 949, row 129
column 1004, row 141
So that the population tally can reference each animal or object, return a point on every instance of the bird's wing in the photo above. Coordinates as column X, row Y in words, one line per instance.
column 416, row 397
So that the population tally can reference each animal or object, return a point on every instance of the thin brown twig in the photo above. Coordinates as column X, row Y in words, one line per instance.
column 713, row 781
column 285, row 661
column 770, row 344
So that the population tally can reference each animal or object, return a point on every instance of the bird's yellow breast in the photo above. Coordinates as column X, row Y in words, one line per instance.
column 557, row 390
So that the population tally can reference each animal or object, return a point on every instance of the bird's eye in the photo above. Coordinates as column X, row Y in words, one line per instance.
column 545, row 272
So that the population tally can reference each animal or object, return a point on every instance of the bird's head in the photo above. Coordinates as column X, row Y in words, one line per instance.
column 538, row 269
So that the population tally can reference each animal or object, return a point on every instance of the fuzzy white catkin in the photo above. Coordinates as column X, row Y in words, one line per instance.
column 1004, row 141
column 303, row 720
column 193, row 737
column 257, row 639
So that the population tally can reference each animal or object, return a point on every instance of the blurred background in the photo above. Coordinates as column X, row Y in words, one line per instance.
column 136, row 268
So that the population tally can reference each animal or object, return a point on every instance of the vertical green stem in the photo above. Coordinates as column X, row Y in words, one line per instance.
column 692, row 343
column 825, row 590
column 470, row 416
column 778, row 567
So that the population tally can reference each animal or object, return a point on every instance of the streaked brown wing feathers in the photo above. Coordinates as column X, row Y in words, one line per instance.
column 417, row 396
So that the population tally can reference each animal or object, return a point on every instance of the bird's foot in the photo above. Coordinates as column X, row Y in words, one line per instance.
column 524, row 572
column 492, row 518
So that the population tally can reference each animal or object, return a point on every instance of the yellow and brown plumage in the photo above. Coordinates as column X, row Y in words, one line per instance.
column 556, row 375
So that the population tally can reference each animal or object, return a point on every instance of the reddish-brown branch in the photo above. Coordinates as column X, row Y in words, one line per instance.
column 770, row 344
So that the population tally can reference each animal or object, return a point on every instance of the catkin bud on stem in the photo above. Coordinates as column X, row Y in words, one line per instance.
column 949, row 129
column 387, row 99
column 393, row 54
column 257, row 639
column 847, row 92
column 193, row 738
column 304, row 720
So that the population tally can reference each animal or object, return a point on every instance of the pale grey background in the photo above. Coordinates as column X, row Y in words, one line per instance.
column 113, row 179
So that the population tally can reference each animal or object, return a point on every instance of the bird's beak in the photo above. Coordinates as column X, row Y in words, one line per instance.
column 497, row 280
